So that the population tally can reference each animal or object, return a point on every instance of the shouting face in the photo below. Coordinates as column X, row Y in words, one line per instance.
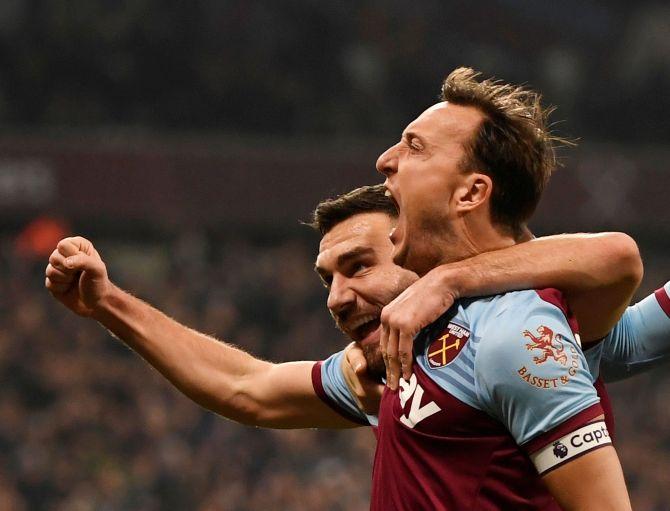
column 425, row 176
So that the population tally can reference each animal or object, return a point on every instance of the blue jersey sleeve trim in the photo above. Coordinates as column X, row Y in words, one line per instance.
column 329, row 385
column 640, row 340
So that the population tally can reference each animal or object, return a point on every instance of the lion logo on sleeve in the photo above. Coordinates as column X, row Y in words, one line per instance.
column 548, row 343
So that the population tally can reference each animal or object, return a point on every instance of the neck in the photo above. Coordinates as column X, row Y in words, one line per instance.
column 476, row 237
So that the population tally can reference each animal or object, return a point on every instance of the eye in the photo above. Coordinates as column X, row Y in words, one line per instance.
column 415, row 145
column 359, row 267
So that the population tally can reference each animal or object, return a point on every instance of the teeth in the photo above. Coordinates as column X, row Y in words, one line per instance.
column 388, row 194
column 361, row 321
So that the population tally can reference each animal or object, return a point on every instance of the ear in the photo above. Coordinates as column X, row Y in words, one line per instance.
column 474, row 192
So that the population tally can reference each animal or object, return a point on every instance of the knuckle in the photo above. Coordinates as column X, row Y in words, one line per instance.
column 403, row 324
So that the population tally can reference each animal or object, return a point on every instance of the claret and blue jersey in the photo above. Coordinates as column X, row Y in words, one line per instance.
column 501, row 392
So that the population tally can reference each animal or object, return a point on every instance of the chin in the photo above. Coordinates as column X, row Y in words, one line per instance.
column 375, row 361
column 408, row 262
column 423, row 259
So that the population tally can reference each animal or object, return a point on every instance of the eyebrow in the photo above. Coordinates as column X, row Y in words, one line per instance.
column 353, row 254
column 347, row 256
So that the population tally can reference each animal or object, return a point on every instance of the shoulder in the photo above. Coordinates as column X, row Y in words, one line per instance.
column 529, row 368
column 521, row 322
column 527, row 345
column 482, row 344
column 503, row 331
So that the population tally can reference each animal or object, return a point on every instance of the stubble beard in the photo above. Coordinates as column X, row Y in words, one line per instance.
column 373, row 356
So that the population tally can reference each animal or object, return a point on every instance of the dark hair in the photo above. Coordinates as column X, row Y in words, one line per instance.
column 366, row 199
column 513, row 144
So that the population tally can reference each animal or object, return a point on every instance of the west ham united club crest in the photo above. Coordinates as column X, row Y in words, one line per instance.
column 447, row 345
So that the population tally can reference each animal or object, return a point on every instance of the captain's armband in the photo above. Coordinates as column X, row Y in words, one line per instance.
column 571, row 446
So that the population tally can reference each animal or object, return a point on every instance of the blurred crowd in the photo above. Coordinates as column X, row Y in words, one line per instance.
column 325, row 68
column 85, row 424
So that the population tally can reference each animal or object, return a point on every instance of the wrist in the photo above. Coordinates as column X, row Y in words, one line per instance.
column 107, row 303
column 451, row 278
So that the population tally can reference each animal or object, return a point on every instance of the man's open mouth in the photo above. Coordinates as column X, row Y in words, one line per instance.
column 388, row 194
column 364, row 327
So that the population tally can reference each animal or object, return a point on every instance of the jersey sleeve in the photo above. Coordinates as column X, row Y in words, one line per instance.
column 640, row 340
column 329, row 385
column 532, row 376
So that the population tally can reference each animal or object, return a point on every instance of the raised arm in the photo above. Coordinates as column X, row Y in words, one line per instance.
column 598, row 274
column 214, row 374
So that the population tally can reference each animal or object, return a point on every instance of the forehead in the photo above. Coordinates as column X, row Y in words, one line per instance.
column 362, row 231
column 448, row 121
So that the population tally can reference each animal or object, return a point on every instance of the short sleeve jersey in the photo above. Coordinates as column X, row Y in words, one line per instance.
column 638, row 342
column 500, row 391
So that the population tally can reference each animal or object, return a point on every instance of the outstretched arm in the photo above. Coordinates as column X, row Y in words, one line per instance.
column 214, row 374
column 598, row 273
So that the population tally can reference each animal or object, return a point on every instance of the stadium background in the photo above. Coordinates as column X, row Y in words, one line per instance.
column 188, row 138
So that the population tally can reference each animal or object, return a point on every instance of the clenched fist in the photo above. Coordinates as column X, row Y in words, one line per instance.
column 76, row 276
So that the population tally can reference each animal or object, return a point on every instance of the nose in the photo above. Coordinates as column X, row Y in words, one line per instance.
column 387, row 163
column 340, row 297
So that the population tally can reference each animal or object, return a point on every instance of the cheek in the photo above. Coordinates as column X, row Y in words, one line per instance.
column 434, row 182
column 392, row 284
